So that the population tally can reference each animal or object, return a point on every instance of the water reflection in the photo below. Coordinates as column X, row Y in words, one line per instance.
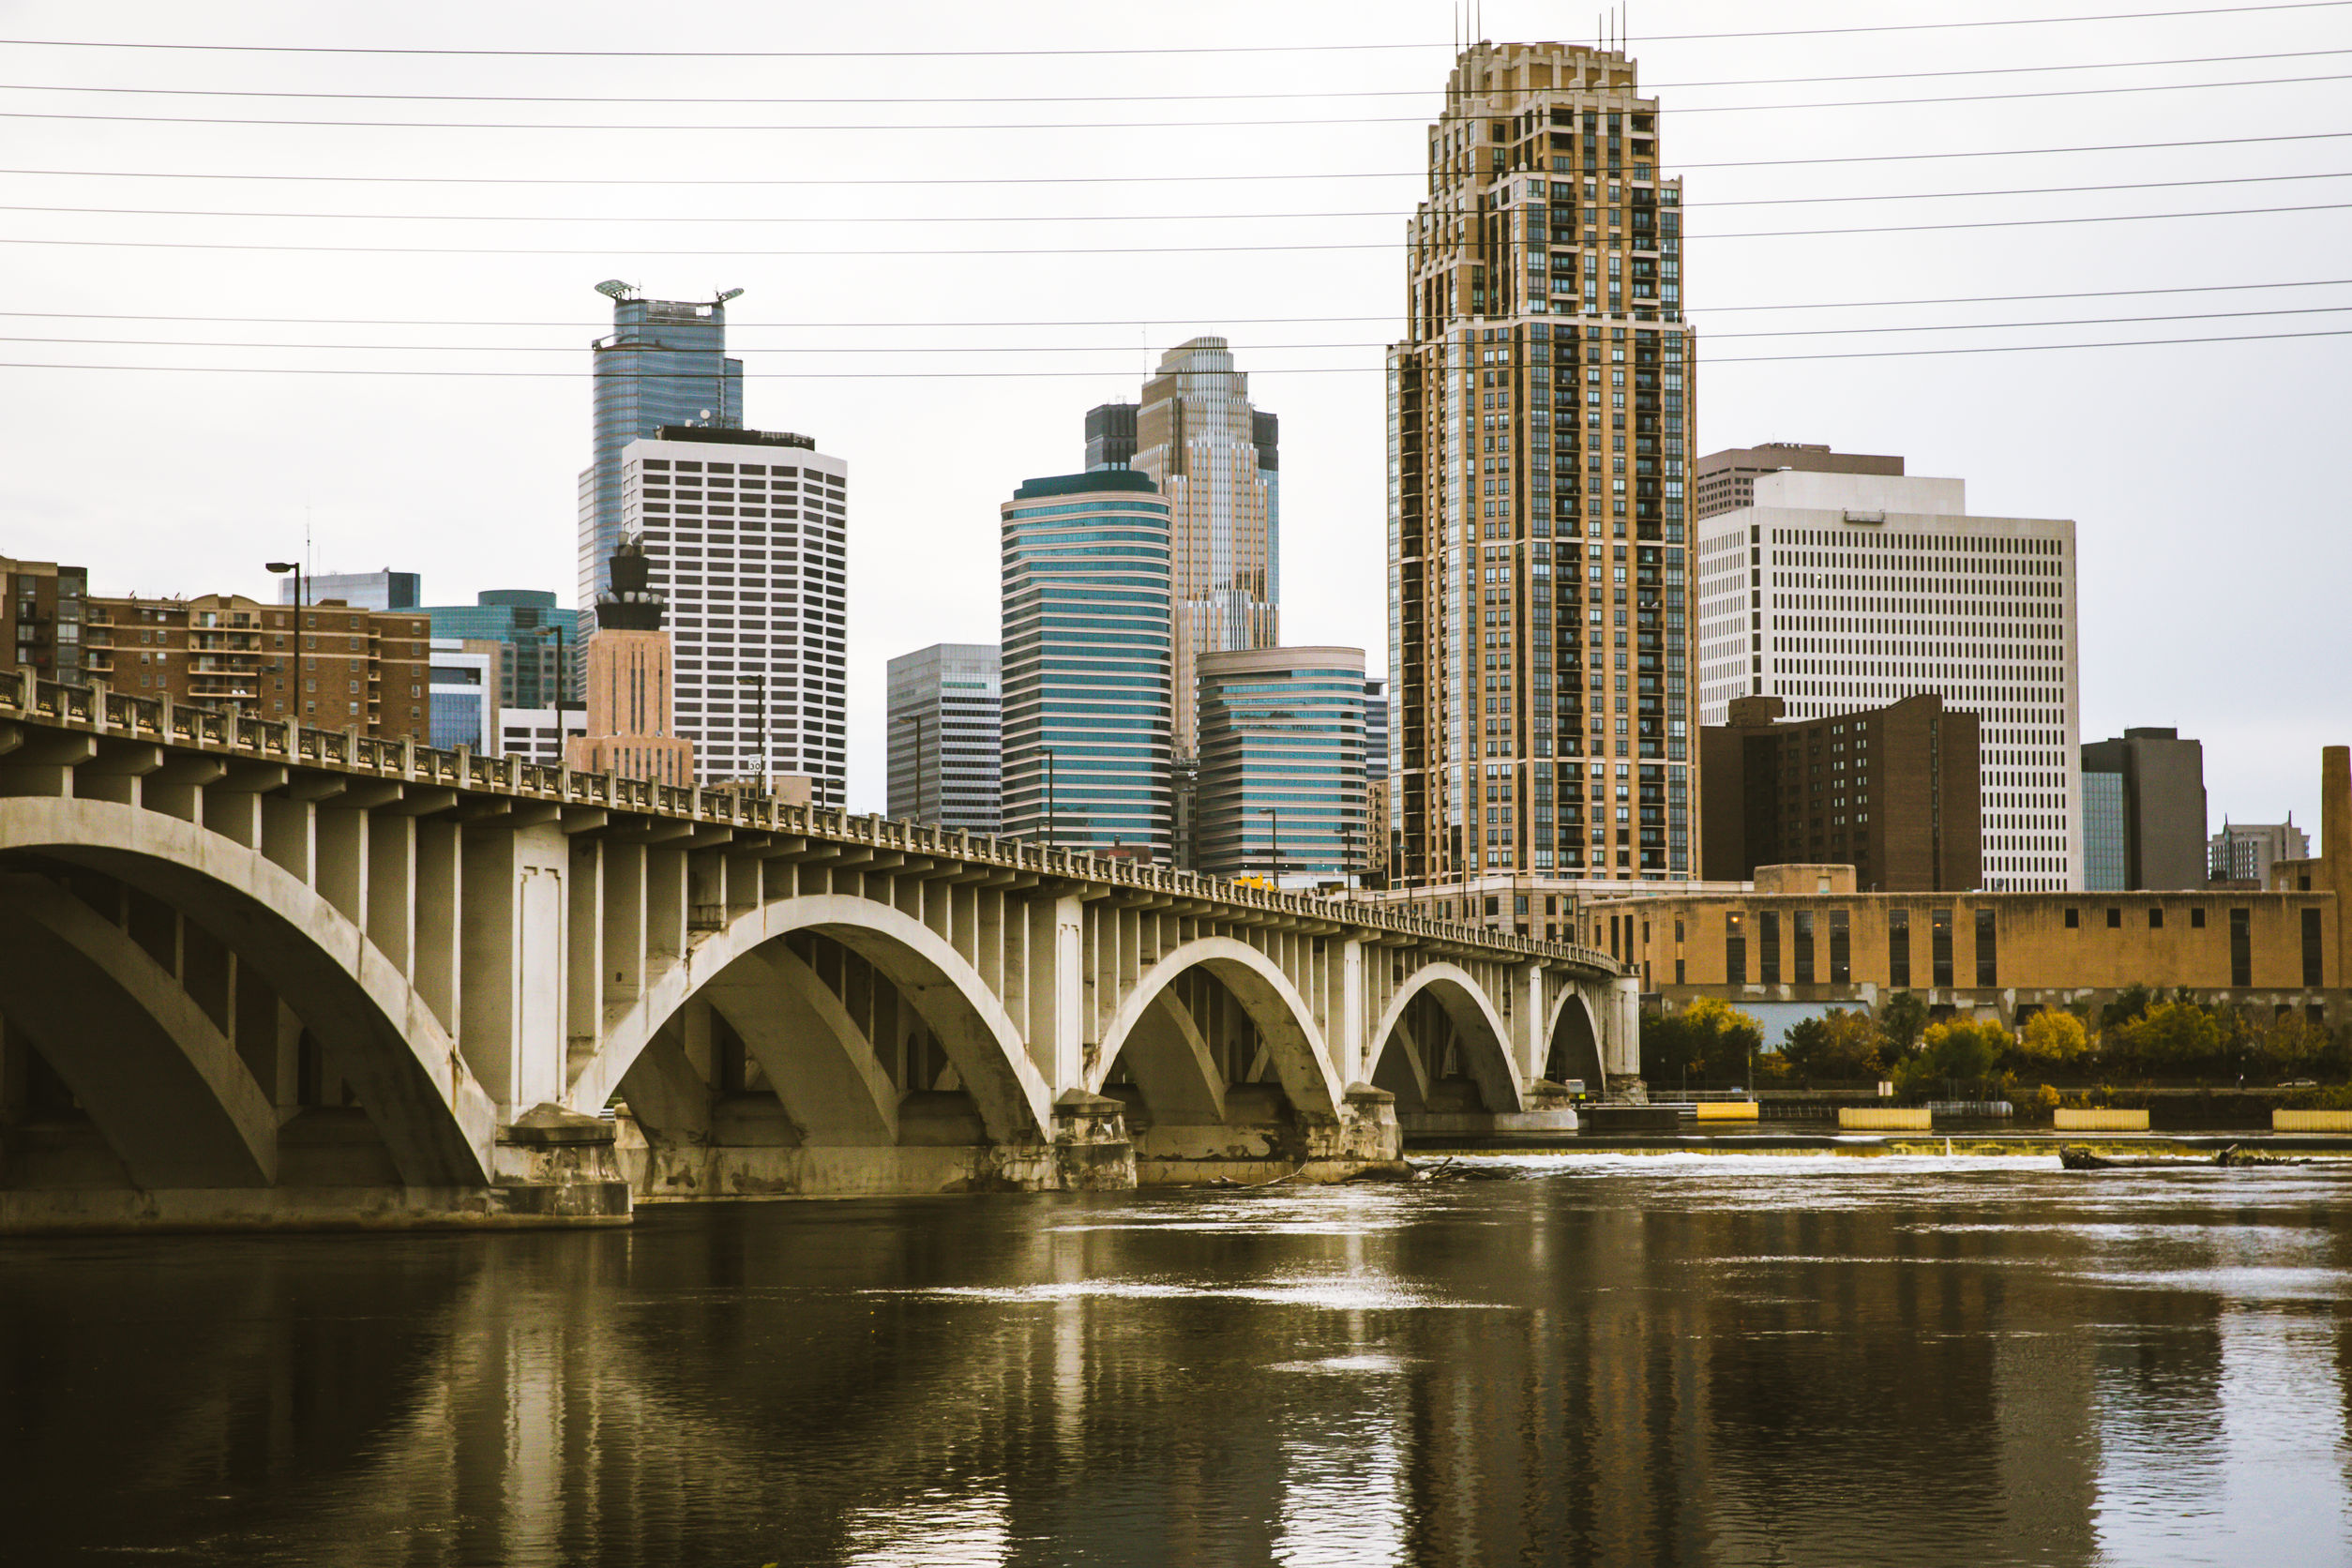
column 1670, row 1361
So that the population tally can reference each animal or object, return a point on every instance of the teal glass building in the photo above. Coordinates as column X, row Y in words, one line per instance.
column 1089, row 716
column 664, row 364
column 1282, row 763
column 524, row 622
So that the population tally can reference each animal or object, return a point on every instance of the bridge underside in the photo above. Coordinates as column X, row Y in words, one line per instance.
column 804, row 1071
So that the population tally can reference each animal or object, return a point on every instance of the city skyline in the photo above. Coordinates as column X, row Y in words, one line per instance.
column 374, row 460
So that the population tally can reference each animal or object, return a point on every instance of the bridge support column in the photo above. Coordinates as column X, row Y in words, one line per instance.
column 1350, row 1041
column 1055, row 983
column 1528, row 1042
column 1621, row 1041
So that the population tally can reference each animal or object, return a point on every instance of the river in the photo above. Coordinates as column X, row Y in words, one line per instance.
column 1669, row 1360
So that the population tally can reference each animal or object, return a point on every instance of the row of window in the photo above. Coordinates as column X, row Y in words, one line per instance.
column 1806, row 930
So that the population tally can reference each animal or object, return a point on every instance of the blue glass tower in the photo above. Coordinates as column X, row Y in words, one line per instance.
column 1089, row 712
column 1282, row 761
column 665, row 363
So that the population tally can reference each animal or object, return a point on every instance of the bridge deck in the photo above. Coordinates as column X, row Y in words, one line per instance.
column 98, row 711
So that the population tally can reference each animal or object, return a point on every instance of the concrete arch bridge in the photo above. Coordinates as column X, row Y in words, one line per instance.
column 253, row 977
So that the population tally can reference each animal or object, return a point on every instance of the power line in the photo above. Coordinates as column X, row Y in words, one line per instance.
column 1131, row 348
column 608, row 180
column 1158, row 321
column 870, row 126
column 1156, row 50
column 1101, row 250
column 1140, row 97
column 1390, row 214
column 1034, row 375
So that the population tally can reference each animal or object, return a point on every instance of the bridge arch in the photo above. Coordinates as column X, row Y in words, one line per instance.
column 1485, row 1038
column 1150, row 1021
column 1571, row 1042
column 436, row 1121
column 970, row 1023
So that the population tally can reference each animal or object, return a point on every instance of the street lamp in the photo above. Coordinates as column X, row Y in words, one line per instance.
column 757, row 680
column 555, row 628
column 1274, row 843
column 280, row 568
column 1053, row 813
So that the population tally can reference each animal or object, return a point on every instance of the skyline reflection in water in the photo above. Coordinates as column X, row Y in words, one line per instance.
column 1710, row 1360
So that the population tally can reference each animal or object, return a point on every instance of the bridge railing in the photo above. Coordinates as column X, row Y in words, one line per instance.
column 99, row 708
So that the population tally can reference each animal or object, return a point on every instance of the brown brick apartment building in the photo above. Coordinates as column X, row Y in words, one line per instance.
column 356, row 669
column 1893, row 790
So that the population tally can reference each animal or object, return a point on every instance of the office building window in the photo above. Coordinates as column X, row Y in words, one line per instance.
column 1939, row 947
column 1841, row 950
column 1768, row 947
column 2311, row 969
column 2240, row 947
column 1803, row 920
column 1735, row 951
column 1899, row 949
column 1987, row 958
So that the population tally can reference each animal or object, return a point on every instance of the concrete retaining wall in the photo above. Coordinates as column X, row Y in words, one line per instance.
column 2311, row 1120
column 2101, row 1121
column 1884, row 1119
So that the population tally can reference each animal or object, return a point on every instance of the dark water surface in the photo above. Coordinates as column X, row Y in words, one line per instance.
column 1671, row 1360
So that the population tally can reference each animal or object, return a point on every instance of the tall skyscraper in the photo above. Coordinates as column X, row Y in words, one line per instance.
column 1111, row 436
column 946, row 742
column 664, row 364
column 2160, row 787
column 1215, row 459
column 1087, row 593
column 1281, row 792
column 744, row 532
column 1540, row 642
column 631, row 726
column 1840, row 592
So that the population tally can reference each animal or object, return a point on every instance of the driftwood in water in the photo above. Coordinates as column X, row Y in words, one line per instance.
column 2230, row 1158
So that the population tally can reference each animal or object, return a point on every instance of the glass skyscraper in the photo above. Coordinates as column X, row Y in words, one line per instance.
column 1282, row 743
column 1541, row 640
column 947, row 745
column 665, row 363
column 1215, row 459
column 1088, row 663
column 522, row 622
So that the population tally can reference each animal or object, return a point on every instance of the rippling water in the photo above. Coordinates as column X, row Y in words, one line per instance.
column 1672, row 1360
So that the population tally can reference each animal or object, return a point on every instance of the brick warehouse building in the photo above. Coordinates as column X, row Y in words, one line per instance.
column 1894, row 790
column 1805, row 935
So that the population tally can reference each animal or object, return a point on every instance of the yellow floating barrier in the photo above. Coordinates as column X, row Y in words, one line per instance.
column 2107, row 1120
column 1727, row 1110
column 2311, row 1120
column 1884, row 1119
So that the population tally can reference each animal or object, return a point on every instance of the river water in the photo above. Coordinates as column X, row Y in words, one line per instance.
column 1703, row 1360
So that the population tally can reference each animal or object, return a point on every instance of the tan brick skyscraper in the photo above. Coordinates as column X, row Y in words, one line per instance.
column 1540, row 434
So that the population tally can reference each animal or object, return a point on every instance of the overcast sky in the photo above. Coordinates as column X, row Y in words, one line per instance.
column 2206, row 478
